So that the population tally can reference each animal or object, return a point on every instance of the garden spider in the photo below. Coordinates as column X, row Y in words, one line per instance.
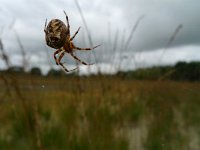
column 57, row 36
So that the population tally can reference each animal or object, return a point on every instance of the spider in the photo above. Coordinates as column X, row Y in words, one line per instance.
column 57, row 36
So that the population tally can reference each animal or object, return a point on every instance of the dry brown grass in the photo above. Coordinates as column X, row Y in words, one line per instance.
column 106, row 113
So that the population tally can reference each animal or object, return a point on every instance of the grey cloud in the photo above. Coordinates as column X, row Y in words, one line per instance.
column 153, row 33
column 162, row 17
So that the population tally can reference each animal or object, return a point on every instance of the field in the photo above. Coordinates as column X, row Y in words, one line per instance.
column 98, row 113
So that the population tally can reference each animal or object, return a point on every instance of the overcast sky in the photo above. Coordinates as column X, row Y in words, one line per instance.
column 168, row 31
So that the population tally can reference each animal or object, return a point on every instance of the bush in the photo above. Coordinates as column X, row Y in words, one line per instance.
column 35, row 71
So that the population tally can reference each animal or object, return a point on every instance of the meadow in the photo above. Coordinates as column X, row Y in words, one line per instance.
column 98, row 113
column 148, row 109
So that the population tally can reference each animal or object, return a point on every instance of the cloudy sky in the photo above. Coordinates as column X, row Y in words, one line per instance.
column 133, row 33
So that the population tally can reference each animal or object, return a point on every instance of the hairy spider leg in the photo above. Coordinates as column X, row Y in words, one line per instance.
column 59, row 59
column 62, row 65
column 78, row 48
column 45, row 26
column 75, row 34
column 68, row 26
column 79, row 59
column 55, row 53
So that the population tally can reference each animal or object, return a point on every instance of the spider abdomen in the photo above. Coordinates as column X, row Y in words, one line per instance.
column 56, row 34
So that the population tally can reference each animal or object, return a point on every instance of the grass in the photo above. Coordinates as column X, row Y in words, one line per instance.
column 100, row 113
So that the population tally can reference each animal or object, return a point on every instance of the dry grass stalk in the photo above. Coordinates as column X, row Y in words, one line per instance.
column 88, row 33
column 171, row 39
column 24, row 58
column 48, row 58
column 125, row 44
column 114, row 49
column 4, row 55
column 11, row 84
column 133, row 31
column 3, row 77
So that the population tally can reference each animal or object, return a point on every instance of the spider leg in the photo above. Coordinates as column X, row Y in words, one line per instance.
column 65, row 69
column 78, row 48
column 68, row 26
column 61, row 56
column 45, row 26
column 55, row 53
column 61, row 64
column 75, row 34
column 79, row 59
column 59, row 59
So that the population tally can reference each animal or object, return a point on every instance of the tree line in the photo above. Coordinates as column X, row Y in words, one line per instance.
column 181, row 71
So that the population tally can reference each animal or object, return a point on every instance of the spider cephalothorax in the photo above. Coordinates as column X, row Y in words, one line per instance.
column 57, row 35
